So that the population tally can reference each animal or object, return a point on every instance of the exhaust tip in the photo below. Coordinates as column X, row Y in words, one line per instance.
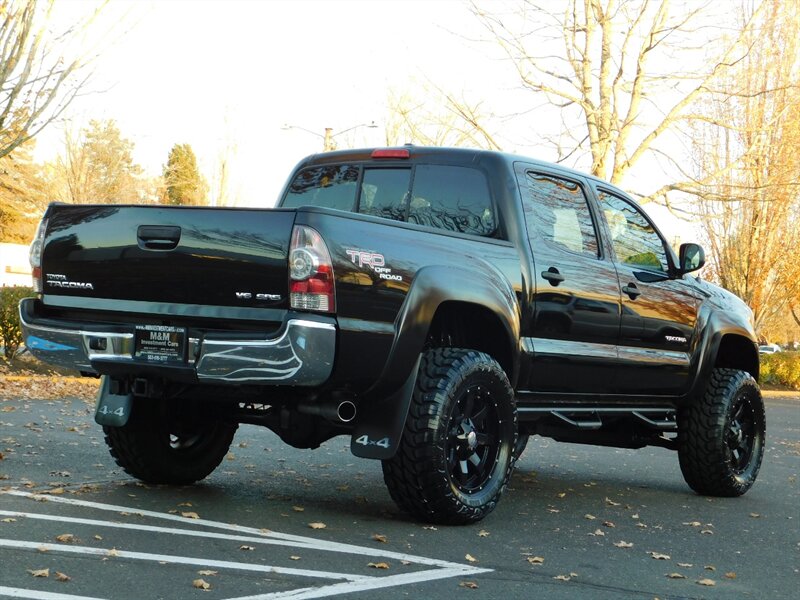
column 346, row 411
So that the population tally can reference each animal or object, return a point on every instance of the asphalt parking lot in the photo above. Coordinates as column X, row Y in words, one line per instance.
column 275, row 522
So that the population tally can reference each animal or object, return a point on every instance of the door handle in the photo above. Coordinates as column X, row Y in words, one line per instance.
column 632, row 291
column 553, row 276
column 158, row 237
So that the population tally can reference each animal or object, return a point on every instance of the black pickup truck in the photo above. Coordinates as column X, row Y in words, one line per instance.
column 436, row 305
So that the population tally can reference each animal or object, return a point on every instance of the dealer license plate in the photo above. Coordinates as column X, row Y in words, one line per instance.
column 160, row 343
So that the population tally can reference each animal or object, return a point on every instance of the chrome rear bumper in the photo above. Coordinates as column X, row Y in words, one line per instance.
column 301, row 354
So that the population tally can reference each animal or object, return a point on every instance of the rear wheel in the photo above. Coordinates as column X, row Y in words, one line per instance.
column 721, row 437
column 454, row 458
column 158, row 449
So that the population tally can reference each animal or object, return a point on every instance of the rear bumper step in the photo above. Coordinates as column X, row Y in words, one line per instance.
column 301, row 354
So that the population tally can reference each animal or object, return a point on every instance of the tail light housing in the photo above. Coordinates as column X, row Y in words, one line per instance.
column 311, row 285
column 35, row 256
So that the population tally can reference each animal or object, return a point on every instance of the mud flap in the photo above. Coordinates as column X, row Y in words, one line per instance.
column 112, row 409
column 380, row 423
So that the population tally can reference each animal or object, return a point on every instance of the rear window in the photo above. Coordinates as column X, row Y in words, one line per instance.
column 327, row 187
column 452, row 198
column 444, row 197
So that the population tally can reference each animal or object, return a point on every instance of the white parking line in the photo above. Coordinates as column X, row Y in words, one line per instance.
column 10, row 592
column 176, row 560
column 349, row 582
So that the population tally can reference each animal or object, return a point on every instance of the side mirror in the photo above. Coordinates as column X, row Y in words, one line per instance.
column 692, row 257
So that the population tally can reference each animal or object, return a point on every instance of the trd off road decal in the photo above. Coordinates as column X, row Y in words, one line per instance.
column 374, row 261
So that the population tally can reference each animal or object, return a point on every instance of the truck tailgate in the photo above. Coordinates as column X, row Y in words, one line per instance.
column 183, row 255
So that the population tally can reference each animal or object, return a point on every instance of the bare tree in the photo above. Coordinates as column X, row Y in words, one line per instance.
column 432, row 117
column 618, row 71
column 41, row 71
column 98, row 166
column 750, row 169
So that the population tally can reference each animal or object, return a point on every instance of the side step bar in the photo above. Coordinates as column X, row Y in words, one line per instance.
column 588, row 418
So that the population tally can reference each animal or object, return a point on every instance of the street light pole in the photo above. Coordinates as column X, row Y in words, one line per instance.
column 328, row 141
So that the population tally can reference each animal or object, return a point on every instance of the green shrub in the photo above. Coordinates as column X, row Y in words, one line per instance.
column 10, row 332
column 781, row 368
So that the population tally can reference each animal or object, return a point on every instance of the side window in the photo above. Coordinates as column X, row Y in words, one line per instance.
column 634, row 240
column 383, row 193
column 558, row 210
column 452, row 198
column 328, row 187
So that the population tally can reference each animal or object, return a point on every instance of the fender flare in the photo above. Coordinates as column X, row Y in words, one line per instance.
column 718, row 325
column 384, row 406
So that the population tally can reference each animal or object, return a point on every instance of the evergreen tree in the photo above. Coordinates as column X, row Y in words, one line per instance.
column 184, row 184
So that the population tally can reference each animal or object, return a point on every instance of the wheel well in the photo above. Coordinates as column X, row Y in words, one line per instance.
column 737, row 352
column 465, row 325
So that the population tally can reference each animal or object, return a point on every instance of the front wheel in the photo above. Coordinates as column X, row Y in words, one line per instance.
column 455, row 456
column 721, row 437
column 158, row 449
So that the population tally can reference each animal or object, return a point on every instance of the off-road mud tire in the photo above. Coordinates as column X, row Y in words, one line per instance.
column 721, row 436
column 156, row 449
column 455, row 456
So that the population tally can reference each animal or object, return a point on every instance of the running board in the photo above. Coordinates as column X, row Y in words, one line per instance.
column 589, row 418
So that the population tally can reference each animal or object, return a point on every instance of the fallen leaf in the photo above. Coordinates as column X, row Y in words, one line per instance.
column 710, row 568
column 730, row 575
column 55, row 491
column 201, row 584
column 598, row 532
column 608, row 524
column 65, row 538
column 471, row 558
column 610, row 502
column 8, row 520
column 685, row 564
column 590, row 517
column 694, row 524
column 43, row 549
column 98, row 537
column 112, row 552
column 380, row 565
column 317, row 525
column 298, row 508
column 294, row 558
column 707, row 532
column 707, row 582
column 190, row 515
column 755, row 515
column 562, row 577
column 207, row 573
column 623, row 544
column 39, row 572
column 62, row 577
column 379, row 537
column 430, row 528
column 483, row 533
column 245, row 547
column 468, row 584
column 659, row 556
column 535, row 560
column 676, row 576
column 562, row 494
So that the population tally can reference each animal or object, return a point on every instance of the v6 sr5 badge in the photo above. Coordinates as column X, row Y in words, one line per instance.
column 374, row 261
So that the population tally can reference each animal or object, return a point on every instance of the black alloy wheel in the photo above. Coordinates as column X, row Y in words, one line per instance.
column 473, row 442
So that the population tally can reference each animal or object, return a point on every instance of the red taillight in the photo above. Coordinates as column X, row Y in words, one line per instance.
column 390, row 153
column 311, row 285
